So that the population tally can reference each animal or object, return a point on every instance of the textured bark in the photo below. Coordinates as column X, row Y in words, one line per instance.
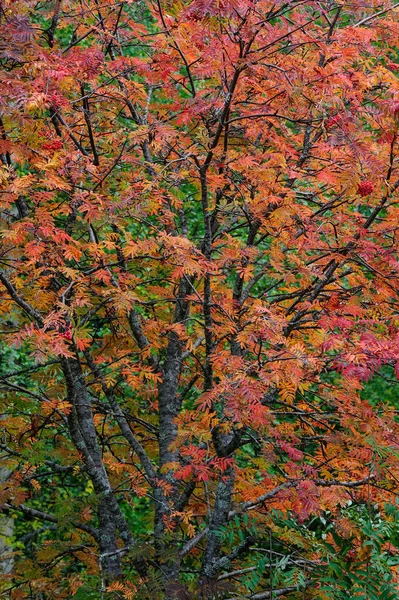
column 84, row 437
column 6, row 534
column 219, row 518
column 169, row 407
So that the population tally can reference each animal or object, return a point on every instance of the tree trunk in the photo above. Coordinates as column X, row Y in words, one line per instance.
column 6, row 534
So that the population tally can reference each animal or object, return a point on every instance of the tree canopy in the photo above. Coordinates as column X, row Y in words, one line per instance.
column 199, row 277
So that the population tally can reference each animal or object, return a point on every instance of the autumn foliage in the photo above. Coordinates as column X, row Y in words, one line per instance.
column 199, row 274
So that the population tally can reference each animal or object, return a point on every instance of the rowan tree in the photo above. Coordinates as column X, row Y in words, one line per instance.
column 199, row 281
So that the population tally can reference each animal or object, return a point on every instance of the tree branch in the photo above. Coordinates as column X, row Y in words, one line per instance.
column 32, row 312
column 44, row 516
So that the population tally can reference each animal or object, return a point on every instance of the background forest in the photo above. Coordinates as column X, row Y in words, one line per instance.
column 199, row 316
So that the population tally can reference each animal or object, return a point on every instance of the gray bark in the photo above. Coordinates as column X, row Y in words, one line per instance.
column 84, row 436
column 219, row 518
column 6, row 534
column 169, row 408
